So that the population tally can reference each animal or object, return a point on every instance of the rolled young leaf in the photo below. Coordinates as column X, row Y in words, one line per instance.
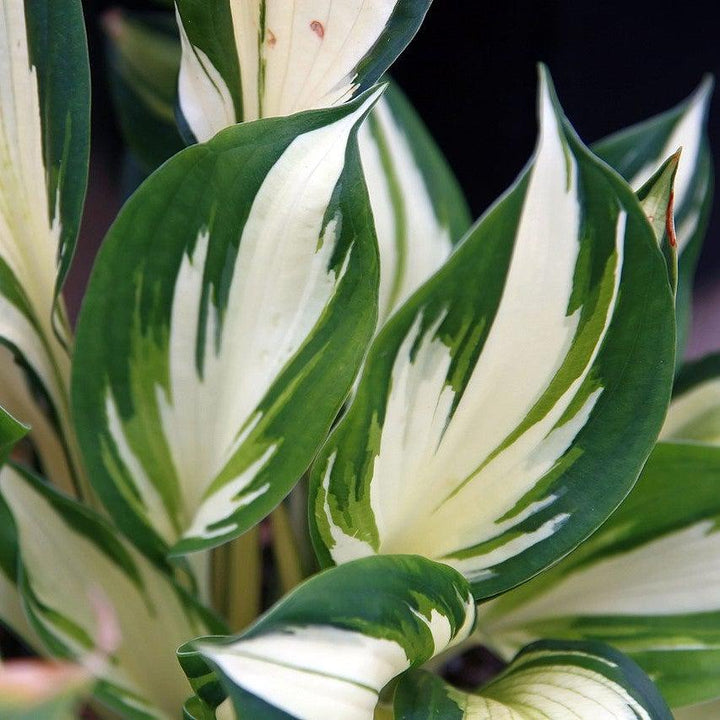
column 329, row 647
column 648, row 581
column 246, row 60
column 583, row 681
column 418, row 206
column 496, row 424
column 637, row 152
column 227, row 315
column 44, row 129
column 69, row 553
column 694, row 412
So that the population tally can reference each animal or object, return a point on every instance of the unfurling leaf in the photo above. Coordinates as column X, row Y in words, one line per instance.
column 418, row 207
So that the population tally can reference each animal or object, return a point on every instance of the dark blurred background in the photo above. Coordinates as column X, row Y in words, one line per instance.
column 471, row 73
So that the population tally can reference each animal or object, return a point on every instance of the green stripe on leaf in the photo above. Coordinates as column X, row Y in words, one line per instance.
column 491, row 427
column 330, row 646
column 227, row 315
column 69, row 556
column 647, row 582
column 585, row 681
column 246, row 60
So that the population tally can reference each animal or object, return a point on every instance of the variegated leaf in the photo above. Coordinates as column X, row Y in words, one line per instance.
column 496, row 424
column 11, row 611
column 264, row 58
column 553, row 680
column 694, row 412
column 330, row 646
column 418, row 206
column 68, row 553
column 44, row 126
column 636, row 153
column 17, row 391
column 648, row 581
column 227, row 315
column 419, row 209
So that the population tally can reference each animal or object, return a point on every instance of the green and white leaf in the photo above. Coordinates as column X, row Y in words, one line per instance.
column 637, row 152
column 494, row 426
column 419, row 209
column 44, row 128
column 16, row 391
column 247, row 60
column 647, row 582
column 418, row 206
column 329, row 648
column 694, row 413
column 144, row 66
column 582, row 681
column 68, row 554
column 228, row 312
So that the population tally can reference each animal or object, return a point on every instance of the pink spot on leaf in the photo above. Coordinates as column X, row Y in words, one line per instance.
column 317, row 27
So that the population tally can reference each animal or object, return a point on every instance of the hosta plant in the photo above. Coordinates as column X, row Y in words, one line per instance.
column 314, row 433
